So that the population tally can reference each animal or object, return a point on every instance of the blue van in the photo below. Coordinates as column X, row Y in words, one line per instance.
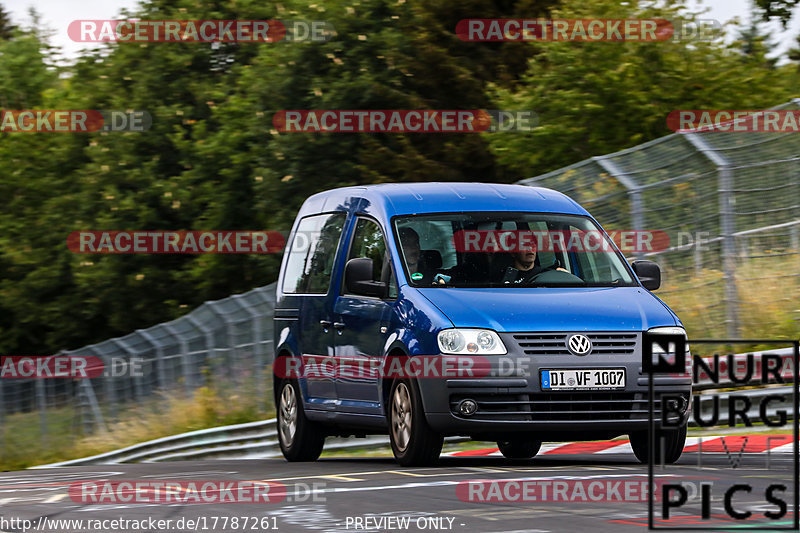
column 397, row 274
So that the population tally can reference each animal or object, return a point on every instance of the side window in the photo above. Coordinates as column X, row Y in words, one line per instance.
column 313, row 251
column 368, row 242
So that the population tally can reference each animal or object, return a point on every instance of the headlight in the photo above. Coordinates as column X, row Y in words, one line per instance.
column 470, row 341
column 673, row 330
column 668, row 330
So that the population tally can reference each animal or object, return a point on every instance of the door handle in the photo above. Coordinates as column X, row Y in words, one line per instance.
column 338, row 325
column 325, row 323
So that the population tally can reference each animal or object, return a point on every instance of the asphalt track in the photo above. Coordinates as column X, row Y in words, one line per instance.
column 375, row 494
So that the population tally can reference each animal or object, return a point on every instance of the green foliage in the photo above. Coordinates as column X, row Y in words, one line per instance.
column 213, row 160
column 6, row 28
column 780, row 9
column 596, row 98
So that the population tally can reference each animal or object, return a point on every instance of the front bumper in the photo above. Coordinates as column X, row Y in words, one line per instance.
column 511, row 400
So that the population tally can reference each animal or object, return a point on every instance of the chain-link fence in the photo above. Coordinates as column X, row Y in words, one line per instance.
column 225, row 345
column 730, row 203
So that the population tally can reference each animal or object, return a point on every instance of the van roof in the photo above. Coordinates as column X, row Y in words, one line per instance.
column 411, row 198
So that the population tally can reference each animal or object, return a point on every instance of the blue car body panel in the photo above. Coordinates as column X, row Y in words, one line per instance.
column 409, row 324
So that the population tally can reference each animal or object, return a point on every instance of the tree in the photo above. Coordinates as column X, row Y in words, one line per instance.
column 6, row 28
column 596, row 98
column 754, row 43
column 780, row 9
column 794, row 53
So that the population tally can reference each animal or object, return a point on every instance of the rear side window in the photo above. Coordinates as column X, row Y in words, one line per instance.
column 313, row 251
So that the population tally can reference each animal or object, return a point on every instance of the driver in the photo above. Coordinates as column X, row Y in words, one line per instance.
column 417, row 269
column 524, row 267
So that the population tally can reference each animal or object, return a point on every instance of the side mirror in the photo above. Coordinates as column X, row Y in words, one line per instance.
column 648, row 273
column 358, row 279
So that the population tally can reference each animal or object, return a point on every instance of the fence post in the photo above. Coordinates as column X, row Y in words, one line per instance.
column 725, row 190
column 211, row 346
column 697, row 254
column 232, row 354
column 634, row 192
column 91, row 399
column 137, row 381
column 109, row 388
column 41, row 403
column 258, row 350
column 185, row 363
column 2, row 414
column 160, row 372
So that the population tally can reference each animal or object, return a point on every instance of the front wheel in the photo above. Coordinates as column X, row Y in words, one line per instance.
column 672, row 440
column 414, row 443
column 519, row 449
column 300, row 439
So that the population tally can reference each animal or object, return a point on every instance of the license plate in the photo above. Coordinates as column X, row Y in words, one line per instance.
column 584, row 379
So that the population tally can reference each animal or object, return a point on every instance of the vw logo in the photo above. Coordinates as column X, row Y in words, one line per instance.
column 579, row 344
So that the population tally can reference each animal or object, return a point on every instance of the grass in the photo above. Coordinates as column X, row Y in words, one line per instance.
column 769, row 305
column 22, row 445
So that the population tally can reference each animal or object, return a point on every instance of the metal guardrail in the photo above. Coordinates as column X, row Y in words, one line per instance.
column 253, row 440
column 259, row 440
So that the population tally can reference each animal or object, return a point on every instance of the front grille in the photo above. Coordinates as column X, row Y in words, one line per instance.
column 564, row 406
column 556, row 343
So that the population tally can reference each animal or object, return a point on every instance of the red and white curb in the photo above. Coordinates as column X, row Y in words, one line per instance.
column 732, row 444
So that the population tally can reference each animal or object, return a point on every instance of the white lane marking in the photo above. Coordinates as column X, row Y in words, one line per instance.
column 481, row 469
column 52, row 479
column 56, row 498
column 188, row 474
column 60, row 486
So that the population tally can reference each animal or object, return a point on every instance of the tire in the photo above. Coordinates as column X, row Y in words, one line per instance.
column 674, row 442
column 414, row 443
column 519, row 449
column 299, row 438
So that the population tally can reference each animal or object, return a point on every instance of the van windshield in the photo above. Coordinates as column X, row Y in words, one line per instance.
column 502, row 249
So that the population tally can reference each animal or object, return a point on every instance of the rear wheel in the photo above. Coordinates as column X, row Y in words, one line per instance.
column 519, row 449
column 672, row 440
column 300, row 439
column 414, row 443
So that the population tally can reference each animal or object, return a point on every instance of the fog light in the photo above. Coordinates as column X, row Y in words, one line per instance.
column 467, row 407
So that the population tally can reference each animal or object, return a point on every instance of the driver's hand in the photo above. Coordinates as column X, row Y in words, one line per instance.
column 563, row 270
